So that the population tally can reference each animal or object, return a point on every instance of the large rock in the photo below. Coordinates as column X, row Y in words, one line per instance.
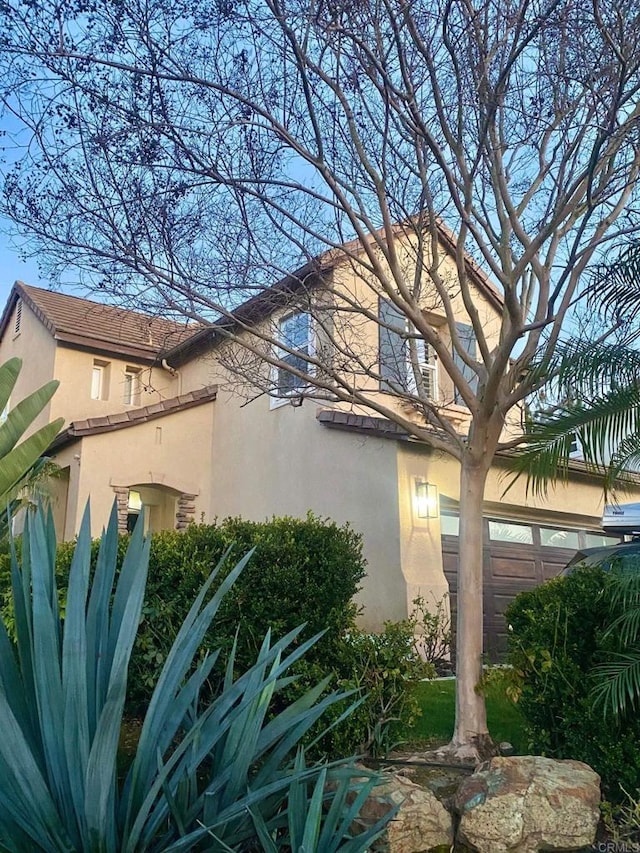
column 421, row 825
column 527, row 803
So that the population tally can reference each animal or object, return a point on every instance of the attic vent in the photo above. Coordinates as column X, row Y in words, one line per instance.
column 18, row 320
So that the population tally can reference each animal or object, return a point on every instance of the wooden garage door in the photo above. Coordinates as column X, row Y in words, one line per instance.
column 516, row 556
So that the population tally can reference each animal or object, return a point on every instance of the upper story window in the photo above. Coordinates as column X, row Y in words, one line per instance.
column 404, row 359
column 294, row 332
column 131, row 394
column 467, row 338
column 100, row 380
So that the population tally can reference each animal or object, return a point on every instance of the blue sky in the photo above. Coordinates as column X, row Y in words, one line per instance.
column 11, row 264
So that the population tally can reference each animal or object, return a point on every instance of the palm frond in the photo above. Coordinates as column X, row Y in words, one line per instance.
column 606, row 427
column 615, row 286
column 618, row 682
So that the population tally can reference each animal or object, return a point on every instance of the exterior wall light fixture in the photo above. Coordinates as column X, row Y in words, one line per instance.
column 426, row 499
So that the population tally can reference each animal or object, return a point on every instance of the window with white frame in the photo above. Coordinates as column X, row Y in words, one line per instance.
column 100, row 380
column 427, row 364
column 294, row 333
column 131, row 393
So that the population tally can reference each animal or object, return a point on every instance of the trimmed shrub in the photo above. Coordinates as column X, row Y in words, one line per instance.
column 230, row 776
column 383, row 667
column 302, row 571
column 557, row 637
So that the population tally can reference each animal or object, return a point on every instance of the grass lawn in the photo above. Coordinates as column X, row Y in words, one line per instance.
column 435, row 724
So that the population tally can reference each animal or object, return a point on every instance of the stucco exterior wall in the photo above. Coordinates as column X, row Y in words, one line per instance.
column 172, row 453
column 73, row 368
column 37, row 349
column 576, row 504
column 283, row 462
column 363, row 290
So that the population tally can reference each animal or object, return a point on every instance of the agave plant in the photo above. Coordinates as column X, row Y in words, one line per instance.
column 208, row 778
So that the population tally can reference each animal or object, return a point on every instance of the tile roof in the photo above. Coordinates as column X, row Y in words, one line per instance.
column 92, row 325
column 337, row 419
column 264, row 303
column 122, row 420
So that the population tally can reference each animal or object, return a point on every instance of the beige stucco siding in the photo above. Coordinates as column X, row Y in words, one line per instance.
column 577, row 504
column 580, row 499
column 172, row 453
column 45, row 359
column 363, row 290
column 283, row 462
column 37, row 349
column 73, row 368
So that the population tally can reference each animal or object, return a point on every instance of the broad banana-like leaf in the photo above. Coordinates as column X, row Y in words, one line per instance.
column 16, row 460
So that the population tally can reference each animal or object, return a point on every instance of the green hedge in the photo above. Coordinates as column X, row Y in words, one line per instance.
column 302, row 571
column 557, row 636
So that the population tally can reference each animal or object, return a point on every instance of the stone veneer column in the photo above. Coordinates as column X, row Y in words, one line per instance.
column 186, row 512
column 122, row 497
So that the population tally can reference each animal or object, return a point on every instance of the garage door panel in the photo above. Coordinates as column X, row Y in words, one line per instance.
column 512, row 566
column 509, row 568
column 552, row 567
column 502, row 598
column 497, row 645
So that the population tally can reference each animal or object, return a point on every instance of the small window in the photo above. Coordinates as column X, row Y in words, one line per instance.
column 599, row 540
column 131, row 394
column 449, row 525
column 394, row 353
column 552, row 537
column 575, row 450
column 100, row 380
column 467, row 338
column 428, row 368
column 502, row 531
column 18, row 318
column 295, row 333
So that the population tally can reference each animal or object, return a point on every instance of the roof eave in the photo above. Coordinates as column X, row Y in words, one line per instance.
column 134, row 417
column 108, row 348
column 263, row 304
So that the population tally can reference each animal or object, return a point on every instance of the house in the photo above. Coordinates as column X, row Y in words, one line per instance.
column 127, row 417
column 155, row 421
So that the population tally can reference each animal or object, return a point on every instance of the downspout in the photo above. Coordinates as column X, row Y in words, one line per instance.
column 172, row 370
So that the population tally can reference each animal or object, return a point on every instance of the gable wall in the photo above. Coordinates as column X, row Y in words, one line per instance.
column 35, row 346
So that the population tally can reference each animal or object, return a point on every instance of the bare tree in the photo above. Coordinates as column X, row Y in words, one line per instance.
column 186, row 155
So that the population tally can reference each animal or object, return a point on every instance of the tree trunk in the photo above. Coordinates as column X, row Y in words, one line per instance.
column 471, row 737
